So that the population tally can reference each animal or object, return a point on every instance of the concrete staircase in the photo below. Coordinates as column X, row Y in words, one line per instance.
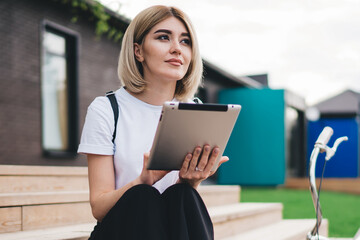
column 33, row 197
column 51, row 203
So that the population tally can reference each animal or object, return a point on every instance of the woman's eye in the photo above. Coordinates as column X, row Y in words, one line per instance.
column 163, row 37
column 186, row 41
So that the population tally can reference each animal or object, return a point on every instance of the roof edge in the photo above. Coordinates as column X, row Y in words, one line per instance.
column 239, row 80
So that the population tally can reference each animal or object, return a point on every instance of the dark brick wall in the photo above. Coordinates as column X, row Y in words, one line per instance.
column 20, row 71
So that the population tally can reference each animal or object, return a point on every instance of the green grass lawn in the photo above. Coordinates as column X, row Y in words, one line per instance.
column 342, row 210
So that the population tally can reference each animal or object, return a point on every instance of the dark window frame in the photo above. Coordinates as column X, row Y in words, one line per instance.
column 72, row 64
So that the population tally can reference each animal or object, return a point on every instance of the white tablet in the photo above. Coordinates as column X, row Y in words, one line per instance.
column 183, row 126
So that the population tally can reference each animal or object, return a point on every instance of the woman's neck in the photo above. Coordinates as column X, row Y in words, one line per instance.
column 156, row 94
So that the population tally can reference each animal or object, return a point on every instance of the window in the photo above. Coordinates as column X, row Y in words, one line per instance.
column 59, row 91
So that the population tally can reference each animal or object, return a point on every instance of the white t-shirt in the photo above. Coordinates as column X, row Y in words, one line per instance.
column 136, row 129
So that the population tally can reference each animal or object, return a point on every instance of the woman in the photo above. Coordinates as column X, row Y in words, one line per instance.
column 159, row 61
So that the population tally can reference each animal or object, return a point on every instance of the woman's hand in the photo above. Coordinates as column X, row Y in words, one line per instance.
column 196, row 168
column 150, row 177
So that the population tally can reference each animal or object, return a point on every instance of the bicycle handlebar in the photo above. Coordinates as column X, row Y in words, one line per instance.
column 325, row 136
column 320, row 146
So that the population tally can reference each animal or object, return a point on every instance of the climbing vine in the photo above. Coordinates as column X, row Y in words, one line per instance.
column 98, row 14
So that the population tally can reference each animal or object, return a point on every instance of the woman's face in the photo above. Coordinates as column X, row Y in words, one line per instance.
column 166, row 51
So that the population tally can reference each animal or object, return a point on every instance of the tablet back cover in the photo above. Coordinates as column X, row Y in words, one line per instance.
column 184, row 126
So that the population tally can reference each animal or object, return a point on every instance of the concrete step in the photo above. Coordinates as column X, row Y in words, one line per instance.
column 228, row 220
column 74, row 232
column 38, row 198
column 234, row 219
column 35, row 210
column 25, row 179
column 296, row 229
column 215, row 195
column 33, row 217
column 27, row 170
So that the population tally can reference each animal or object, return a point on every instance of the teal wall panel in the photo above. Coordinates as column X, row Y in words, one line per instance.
column 256, row 147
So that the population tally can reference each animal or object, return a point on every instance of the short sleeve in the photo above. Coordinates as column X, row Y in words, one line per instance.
column 96, row 137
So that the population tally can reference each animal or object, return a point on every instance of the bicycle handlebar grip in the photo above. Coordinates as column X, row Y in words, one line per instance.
column 325, row 136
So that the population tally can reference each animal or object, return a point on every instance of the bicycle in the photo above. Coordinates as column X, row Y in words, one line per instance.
column 321, row 147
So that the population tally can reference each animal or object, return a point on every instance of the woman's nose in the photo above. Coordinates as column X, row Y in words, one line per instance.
column 175, row 47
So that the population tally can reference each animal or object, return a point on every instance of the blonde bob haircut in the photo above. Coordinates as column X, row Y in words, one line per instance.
column 130, row 70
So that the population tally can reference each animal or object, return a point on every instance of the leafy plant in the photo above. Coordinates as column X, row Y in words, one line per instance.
column 98, row 14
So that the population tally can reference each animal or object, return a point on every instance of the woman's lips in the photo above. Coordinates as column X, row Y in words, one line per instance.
column 174, row 61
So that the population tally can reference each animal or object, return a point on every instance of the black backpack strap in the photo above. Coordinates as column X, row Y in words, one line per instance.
column 197, row 100
column 115, row 108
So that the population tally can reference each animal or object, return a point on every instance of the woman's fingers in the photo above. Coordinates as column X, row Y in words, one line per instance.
column 185, row 165
column 197, row 166
column 146, row 159
column 222, row 160
column 150, row 176
column 194, row 160
column 204, row 158
column 205, row 162
column 212, row 159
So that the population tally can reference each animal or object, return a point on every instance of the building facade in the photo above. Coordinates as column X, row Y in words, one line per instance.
column 51, row 69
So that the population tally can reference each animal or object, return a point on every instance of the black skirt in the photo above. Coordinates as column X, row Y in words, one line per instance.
column 142, row 212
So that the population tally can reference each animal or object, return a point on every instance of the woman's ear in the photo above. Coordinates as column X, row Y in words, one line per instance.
column 138, row 52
